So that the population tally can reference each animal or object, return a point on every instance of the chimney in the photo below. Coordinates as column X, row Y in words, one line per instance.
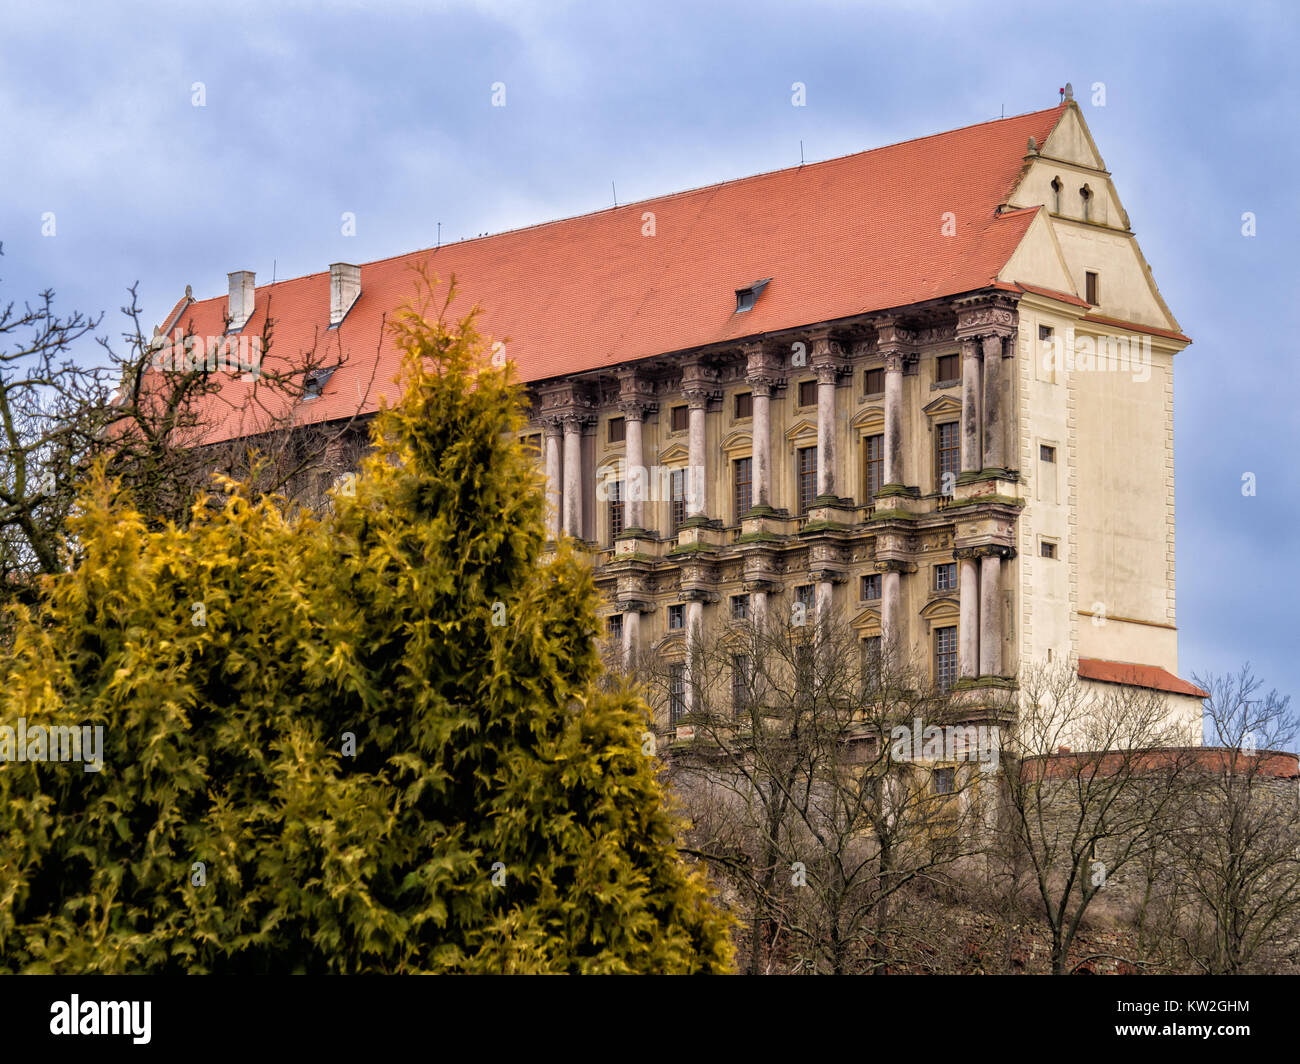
column 240, row 304
column 345, row 286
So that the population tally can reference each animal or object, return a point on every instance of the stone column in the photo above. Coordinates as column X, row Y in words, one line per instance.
column 968, row 637
column 971, row 454
column 823, row 604
column 554, row 477
column 634, row 472
column 631, row 637
column 758, row 609
column 891, row 617
column 991, row 615
column 694, row 624
column 697, row 494
column 573, row 480
column 894, row 419
column 826, row 430
column 993, row 403
column 762, row 445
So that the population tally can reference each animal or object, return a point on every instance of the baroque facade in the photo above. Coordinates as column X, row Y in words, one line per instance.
column 925, row 390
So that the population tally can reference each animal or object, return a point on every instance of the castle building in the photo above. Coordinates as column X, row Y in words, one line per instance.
column 926, row 390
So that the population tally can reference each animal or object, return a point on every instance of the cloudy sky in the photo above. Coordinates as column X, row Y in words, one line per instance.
column 384, row 110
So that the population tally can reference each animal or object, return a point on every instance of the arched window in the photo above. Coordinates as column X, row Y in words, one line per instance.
column 1085, row 194
column 1056, row 195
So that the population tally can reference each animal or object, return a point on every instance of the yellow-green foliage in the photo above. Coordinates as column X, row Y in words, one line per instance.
column 476, row 743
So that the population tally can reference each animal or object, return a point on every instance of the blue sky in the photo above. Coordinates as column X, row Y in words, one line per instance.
column 384, row 110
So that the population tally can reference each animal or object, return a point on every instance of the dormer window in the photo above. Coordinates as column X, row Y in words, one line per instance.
column 746, row 297
column 314, row 383
column 1056, row 195
column 1085, row 195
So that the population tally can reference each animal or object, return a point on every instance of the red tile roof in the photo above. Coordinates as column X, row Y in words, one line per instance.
column 1151, row 676
column 838, row 238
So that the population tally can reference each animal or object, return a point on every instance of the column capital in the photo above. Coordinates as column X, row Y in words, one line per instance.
column 636, row 396
column 763, row 367
column 552, row 425
column 894, row 565
column 990, row 313
column 894, row 338
column 987, row 550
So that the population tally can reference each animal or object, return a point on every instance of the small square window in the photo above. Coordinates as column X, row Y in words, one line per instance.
column 614, row 626
column 870, row 588
column 873, row 382
column 676, row 617
column 945, row 576
column 807, row 393
column 617, row 430
column 739, row 607
column 1090, row 288
column 945, row 780
column 945, row 368
column 1047, row 549
column 803, row 594
column 1045, row 332
column 744, row 405
column 679, row 418
column 1046, row 453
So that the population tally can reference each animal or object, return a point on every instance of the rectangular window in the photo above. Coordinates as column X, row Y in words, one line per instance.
column 1045, row 332
column 679, row 418
column 534, row 443
column 739, row 607
column 1047, row 549
column 947, row 452
column 614, row 626
column 615, row 509
column 873, row 382
column 677, row 497
column 870, row 587
column 803, row 594
column 617, row 430
column 677, row 691
column 873, row 466
column 945, row 780
column 742, row 476
column 740, row 682
column 744, row 405
column 945, row 576
column 676, row 617
column 807, row 478
column 945, row 657
column 945, row 368
column 807, row 393
column 1090, row 287
column 1045, row 453
column 871, row 653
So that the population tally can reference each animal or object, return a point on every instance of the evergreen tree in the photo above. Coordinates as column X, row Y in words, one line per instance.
column 369, row 740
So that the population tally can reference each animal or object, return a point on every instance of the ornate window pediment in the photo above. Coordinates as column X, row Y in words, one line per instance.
column 943, row 408
column 674, row 455
column 738, row 443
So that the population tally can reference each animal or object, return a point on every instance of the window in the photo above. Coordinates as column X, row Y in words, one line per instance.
column 1085, row 197
column 807, row 478
column 1044, row 332
column 1090, row 288
column 1056, row 195
column 740, row 682
column 678, row 419
column 677, row 691
column 870, row 588
column 744, row 405
column 534, row 443
column 1045, row 453
column 871, row 653
column 803, row 594
column 676, row 617
column 945, row 657
column 617, row 430
column 742, row 479
column 614, row 626
column 947, row 452
column 739, row 607
column 677, row 497
column 615, row 509
column 945, row 780
column 945, row 368
column 873, row 467
column 873, row 382
column 1047, row 549
column 314, row 383
column 807, row 393
column 746, row 297
column 945, row 576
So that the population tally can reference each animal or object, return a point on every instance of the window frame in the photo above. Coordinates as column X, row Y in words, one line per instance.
column 805, row 475
column 954, row 451
column 944, row 658
column 747, row 483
